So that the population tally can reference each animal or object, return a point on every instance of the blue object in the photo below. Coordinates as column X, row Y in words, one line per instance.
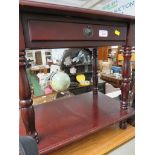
column 27, row 146
column 116, row 69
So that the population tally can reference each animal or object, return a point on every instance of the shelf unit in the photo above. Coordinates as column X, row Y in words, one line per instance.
column 80, row 68
column 81, row 115
column 85, row 69
column 80, row 61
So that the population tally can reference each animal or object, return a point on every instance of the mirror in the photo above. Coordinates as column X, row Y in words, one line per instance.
column 42, row 64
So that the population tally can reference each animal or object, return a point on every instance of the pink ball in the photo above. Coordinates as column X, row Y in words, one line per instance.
column 48, row 90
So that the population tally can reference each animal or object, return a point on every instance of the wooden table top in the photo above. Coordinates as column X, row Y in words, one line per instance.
column 39, row 67
column 44, row 98
column 110, row 78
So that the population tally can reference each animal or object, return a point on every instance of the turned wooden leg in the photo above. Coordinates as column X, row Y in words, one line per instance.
column 95, row 76
column 25, row 101
column 123, row 124
column 125, row 86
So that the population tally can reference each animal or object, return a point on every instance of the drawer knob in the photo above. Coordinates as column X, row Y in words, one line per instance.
column 88, row 31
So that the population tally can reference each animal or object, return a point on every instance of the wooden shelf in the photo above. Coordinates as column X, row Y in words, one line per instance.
column 89, row 72
column 76, row 65
column 64, row 121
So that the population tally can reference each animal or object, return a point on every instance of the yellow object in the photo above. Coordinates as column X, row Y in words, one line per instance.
column 117, row 32
column 120, row 57
column 82, row 80
column 80, row 77
column 132, row 57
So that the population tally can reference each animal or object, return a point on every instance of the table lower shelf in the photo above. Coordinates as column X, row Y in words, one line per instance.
column 64, row 121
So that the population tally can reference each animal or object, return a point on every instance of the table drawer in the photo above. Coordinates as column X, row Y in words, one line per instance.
column 52, row 30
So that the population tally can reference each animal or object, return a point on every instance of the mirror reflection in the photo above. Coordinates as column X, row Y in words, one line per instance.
column 55, row 73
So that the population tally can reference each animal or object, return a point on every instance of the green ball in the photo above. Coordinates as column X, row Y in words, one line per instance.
column 60, row 81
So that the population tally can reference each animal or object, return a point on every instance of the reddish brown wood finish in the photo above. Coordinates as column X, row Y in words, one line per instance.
column 21, row 37
column 48, row 8
column 95, row 76
column 126, row 72
column 130, row 41
column 52, row 31
column 73, row 44
column 72, row 34
column 25, row 101
column 125, row 85
column 66, row 120
column 26, row 108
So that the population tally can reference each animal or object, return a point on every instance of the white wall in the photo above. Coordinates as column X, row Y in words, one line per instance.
column 42, row 54
column 56, row 54
column 43, row 57
column 125, row 149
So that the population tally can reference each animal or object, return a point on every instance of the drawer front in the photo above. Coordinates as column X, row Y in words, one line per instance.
column 40, row 30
